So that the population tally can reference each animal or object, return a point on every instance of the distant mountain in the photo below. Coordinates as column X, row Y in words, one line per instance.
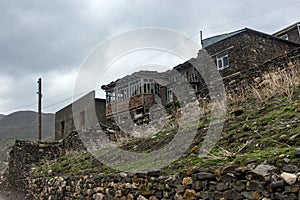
column 24, row 125
column 1, row 116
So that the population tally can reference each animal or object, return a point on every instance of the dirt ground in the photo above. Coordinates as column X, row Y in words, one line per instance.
column 9, row 194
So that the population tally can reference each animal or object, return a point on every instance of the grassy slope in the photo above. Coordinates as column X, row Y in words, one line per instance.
column 260, row 131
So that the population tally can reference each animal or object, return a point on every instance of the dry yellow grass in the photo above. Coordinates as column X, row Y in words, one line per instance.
column 278, row 82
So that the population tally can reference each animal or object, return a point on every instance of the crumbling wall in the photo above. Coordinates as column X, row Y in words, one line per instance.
column 24, row 153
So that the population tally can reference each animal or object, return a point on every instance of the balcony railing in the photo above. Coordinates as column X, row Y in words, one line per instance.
column 146, row 100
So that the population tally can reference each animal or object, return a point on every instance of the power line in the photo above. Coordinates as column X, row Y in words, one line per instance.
column 196, row 33
column 64, row 100
column 166, row 50
column 47, row 105
column 254, row 15
column 59, row 102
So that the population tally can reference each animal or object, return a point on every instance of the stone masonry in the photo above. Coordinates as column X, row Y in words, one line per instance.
column 244, row 182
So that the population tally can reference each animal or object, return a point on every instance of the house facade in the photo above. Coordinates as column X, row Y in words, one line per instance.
column 291, row 33
column 245, row 49
column 237, row 52
column 136, row 93
column 79, row 115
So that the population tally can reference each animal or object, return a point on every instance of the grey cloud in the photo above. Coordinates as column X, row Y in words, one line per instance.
column 39, row 38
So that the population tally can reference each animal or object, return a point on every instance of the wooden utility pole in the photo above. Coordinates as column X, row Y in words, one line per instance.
column 40, row 108
column 201, row 39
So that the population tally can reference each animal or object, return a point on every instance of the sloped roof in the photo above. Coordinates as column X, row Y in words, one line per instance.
column 211, row 40
column 284, row 30
column 133, row 76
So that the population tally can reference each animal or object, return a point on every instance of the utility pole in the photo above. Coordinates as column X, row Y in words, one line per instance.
column 40, row 108
column 201, row 39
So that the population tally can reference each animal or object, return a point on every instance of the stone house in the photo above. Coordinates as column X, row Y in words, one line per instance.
column 234, row 53
column 245, row 49
column 137, row 92
column 84, row 112
column 291, row 33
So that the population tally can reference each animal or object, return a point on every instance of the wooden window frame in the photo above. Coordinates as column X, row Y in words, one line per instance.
column 221, row 57
column 285, row 37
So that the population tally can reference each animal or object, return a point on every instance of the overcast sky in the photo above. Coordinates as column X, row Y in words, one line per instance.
column 51, row 39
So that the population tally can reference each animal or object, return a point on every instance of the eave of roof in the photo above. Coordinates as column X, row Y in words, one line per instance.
column 286, row 29
column 233, row 34
column 133, row 76
column 215, row 39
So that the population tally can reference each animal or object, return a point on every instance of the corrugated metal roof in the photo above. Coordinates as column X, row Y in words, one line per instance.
column 209, row 41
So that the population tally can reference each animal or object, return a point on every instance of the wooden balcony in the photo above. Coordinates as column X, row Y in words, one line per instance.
column 141, row 100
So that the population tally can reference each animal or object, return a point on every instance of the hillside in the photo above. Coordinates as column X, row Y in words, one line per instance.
column 262, row 125
column 23, row 125
column 256, row 155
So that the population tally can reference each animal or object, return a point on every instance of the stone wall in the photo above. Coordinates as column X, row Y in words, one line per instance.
column 253, row 74
column 25, row 153
column 249, row 49
column 252, row 181
column 245, row 182
column 293, row 33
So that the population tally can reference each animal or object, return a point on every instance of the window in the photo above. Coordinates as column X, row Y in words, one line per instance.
column 114, row 96
column 187, row 75
column 138, row 113
column 133, row 90
column 285, row 37
column 169, row 95
column 108, row 97
column 151, row 87
column 157, row 89
column 122, row 92
column 222, row 61
column 62, row 128
column 126, row 92
column 194, row 86
column 193, row 75
column 82, row 118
